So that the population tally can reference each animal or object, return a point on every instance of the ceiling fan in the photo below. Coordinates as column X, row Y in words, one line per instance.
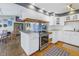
column 71, row 9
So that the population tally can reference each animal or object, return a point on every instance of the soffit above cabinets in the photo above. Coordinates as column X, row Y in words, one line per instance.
column 53, row 7
column 59, row 9
column 35, row 8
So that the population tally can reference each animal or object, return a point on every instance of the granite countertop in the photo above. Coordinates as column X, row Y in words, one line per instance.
column 29, row 32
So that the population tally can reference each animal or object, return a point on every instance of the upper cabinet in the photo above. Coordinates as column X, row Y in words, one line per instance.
column 71, row 18
column 75, row 17
column 56, row 21
column 59, row 21
column 67, row 18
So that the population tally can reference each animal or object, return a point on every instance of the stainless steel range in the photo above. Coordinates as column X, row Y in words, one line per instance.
column 43, row 40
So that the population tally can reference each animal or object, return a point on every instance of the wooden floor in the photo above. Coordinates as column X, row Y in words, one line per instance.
column 58, row 44
column 72, row 52
column 19, row 51
column 40, row 53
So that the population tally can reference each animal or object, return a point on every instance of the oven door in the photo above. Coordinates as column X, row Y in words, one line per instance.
column 43, row 42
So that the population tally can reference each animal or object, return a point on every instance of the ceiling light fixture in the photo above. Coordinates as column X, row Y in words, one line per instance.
column 71, row 9
column 31, row 6
column 40, row 10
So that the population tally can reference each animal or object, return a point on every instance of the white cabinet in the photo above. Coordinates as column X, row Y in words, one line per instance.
column 55, row 36
column 33, row 42
column 30, row 42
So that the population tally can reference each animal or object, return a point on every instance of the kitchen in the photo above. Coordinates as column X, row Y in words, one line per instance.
column 32, row 29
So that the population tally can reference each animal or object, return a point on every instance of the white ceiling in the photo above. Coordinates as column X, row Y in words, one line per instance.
column 56, row 7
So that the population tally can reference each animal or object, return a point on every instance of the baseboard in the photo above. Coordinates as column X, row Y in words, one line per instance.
column 33, row 53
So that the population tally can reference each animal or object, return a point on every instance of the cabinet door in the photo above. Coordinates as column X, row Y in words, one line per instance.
column 57, row 21
column 25, row 42
column 55, row 36
column 34, row 42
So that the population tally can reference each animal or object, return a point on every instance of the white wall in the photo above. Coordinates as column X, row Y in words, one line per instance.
column 9, row 18
column 9, row 9
column 51, row 20
column 27, row 13
column 16, row 10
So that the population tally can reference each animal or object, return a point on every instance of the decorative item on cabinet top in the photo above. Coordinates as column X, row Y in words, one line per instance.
column 33, row 25
column 34, row 20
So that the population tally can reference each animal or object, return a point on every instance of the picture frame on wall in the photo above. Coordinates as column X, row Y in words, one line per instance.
column 9, row 23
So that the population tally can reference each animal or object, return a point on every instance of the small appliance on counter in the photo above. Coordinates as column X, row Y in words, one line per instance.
column 18, row 19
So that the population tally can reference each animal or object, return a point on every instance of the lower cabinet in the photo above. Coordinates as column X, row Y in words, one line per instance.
column 34, row 42
column 55, row 36
column 30, row 42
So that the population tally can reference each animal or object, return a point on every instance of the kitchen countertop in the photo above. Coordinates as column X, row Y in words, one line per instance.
column 71, row 30
column 71, row 37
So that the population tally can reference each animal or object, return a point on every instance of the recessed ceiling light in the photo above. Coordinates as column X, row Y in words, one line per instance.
column 71, row 12
column 40, row 10
column 31, row 6
column 68, row 6
column 43, row 8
